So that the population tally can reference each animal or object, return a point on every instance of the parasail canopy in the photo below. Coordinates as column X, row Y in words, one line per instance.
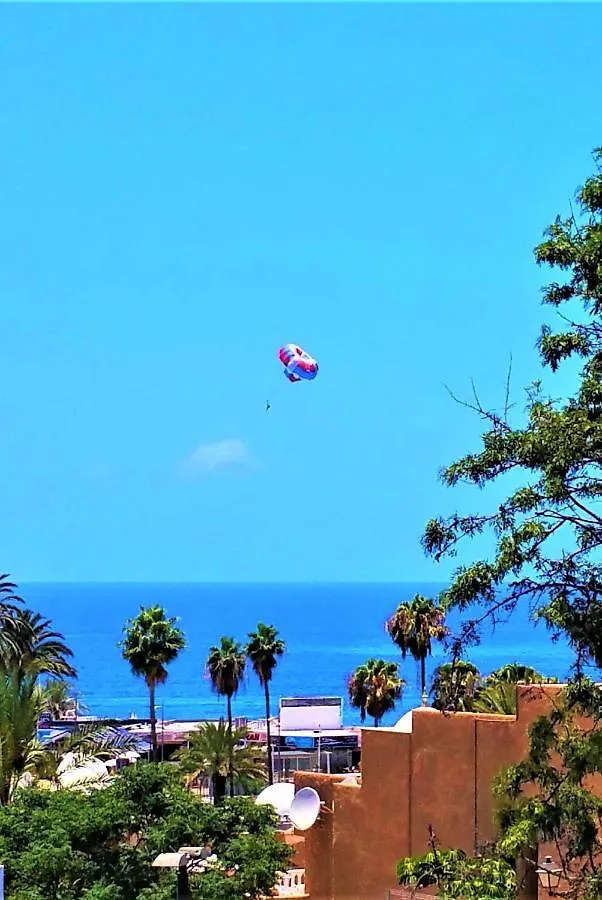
column 298, row 364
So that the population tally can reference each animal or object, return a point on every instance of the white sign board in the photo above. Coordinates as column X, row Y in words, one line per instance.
column 310, row 713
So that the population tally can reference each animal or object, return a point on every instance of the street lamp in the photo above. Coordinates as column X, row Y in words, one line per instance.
column 549, row 874
column 187, row 859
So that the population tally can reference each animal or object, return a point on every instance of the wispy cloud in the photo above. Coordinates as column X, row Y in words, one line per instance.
column 230, row 452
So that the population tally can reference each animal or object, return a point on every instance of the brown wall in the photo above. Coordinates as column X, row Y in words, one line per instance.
column 440, row 774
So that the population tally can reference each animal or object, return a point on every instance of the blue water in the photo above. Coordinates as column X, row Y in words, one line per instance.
column 329, row 630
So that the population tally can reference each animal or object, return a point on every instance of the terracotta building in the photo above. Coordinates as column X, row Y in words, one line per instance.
column 429, row 769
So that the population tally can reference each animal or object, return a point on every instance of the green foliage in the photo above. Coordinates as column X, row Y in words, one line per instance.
column 497, row 693
column 497, row 698
column 226, row 667
column 67, row 846
column 557, row 451
column 88, row 741
column 21, row 703
column 454, row 686
column 58, row 694
column 459, row 876
column 459, row 687
column 151, row 642
column 547, row 535
column 9, row 605
column 34, row 648
column 414, row 626
column 548, row 795
column 211, row 748
column 374, row 687
column 263, row 649
column 29, row 650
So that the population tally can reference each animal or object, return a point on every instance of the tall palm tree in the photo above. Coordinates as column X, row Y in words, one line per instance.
column 226, row 668
column 374, row 687
column 209, row 754
column 454, row 686
column 151, row 642
column 413, row 627
column 263, row 650
column 35, row 648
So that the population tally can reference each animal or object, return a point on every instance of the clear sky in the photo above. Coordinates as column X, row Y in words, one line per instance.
column 185, row 188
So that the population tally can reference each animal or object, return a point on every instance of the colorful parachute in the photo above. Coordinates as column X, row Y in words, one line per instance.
column 297, row 363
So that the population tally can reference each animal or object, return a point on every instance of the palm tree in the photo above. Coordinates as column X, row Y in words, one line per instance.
column 263, row 650
column 517, row 673
column 226, row 668
column 35, row 648
column 21, row 704
column 413, row 627
column 374, row 687
column 496, row 697
column 211, row 750
column 454, row 686
column 60, row 696
column 498, row 692
column 9, row 604
column 151, row 642
column 88, row 744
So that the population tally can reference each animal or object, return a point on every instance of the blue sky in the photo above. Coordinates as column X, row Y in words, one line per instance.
column 183, row 189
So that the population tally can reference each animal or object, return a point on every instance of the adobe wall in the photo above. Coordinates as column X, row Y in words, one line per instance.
column 439, row 773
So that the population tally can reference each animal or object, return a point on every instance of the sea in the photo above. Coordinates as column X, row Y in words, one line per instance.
column 329, row 630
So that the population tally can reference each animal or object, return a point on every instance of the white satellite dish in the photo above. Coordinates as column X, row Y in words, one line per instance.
column 305, row 808
column 279, row 795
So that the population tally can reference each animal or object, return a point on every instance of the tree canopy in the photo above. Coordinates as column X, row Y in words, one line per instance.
column 547, row 534
column 458, row 876
column 67, row 846
column 226, row 668
column 150, row 643
column 263, row 650
column 209, row 752
column 458, row 686
column 547, row 529
column 374, row 688
column 414, row 626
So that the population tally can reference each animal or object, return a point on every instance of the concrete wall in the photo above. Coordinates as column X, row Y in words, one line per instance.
column 434, row 769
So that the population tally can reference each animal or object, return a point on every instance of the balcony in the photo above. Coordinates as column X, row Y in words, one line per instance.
column 291, row 884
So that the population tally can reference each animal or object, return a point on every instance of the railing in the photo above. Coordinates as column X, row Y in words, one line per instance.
column 291, row 884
